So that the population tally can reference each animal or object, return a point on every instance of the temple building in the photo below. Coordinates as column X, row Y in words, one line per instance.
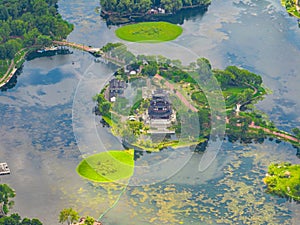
column 160, row 114
column 116, row 88
column 160, row 107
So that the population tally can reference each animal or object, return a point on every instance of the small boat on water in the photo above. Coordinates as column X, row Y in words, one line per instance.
column 4, row 170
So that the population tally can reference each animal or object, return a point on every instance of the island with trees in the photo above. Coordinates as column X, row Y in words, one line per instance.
column 25, row 27
column 165, row 93
column 283, row 179
column 292, row 7
column 125, row 11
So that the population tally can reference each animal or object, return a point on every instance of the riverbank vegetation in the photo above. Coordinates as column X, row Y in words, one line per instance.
column 108, row 166
column 6, row 204
column 28, row 23
column 292, row 7
column 283, row 179
column 143, row 6
column 132, row 11
column 149, row 32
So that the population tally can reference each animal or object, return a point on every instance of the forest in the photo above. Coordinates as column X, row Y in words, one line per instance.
column 28, row 23
column 142, row 6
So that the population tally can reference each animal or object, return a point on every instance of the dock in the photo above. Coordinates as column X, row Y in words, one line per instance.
column 4, row 170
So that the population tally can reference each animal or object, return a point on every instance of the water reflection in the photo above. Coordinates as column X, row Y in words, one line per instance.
column 178, row 18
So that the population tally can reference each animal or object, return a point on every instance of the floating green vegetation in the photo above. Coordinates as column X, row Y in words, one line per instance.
column 236, row 199
column 107, row 166
column 284, row 180
column 149, row 32
column 233, row 200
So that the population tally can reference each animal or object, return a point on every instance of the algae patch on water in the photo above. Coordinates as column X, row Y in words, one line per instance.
column 149, row 32
column 107, row 166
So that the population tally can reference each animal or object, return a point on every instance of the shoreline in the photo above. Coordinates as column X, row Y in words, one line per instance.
column 115, row 18
column 13, row 67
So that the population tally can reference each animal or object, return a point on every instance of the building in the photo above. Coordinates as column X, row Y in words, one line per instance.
column 116, row 88
column 160, row 107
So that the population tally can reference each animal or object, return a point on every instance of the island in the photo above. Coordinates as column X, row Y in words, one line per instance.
column 27, row 28
column 148, row 99
column 127, row 11
column 283, row 179
column 292, row 7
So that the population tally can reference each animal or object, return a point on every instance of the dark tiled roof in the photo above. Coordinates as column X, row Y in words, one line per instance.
column 160, row 107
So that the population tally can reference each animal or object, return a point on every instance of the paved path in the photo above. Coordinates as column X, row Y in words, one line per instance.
column 179, row 95
column 6, row 77
column 278, row 134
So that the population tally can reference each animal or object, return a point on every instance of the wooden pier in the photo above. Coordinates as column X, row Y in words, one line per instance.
column 4, row 170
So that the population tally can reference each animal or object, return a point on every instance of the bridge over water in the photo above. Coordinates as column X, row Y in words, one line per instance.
column 94, row 51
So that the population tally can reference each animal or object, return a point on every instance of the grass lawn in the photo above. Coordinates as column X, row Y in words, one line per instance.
column 107, row 166
column 149, row 32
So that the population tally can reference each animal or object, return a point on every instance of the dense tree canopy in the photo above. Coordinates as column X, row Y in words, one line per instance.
column 6, row 194
column 15, row 219
column 68, row 215
column 142, row 6
column 234, row 76
column 29, row 22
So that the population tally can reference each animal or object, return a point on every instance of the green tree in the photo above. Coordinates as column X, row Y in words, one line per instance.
column 3, row 13
column 68, row 215
column 150, row 69
column 18, row 27
column 43, row 40
column 144, row 5
column 36, row 222
column 4, row 31
column 89, row 220
column 31, row 36
column 296, row 131
column 6, row 194
column 12, row 47
column 297, row 190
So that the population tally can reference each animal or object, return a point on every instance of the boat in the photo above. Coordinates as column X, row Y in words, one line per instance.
column 4, row 170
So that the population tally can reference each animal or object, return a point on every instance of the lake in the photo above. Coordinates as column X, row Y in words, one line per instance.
column 47, row 125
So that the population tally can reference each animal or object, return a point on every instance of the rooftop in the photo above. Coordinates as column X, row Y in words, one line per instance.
column 160, row 107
